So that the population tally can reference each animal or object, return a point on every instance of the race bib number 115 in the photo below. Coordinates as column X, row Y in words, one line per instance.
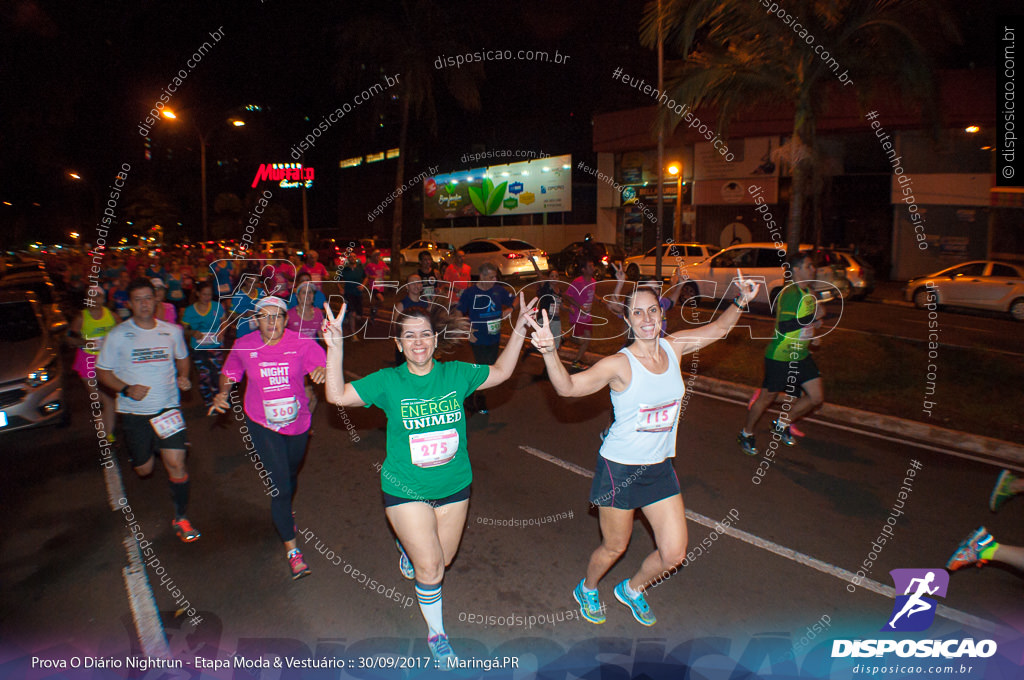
column 660, row 418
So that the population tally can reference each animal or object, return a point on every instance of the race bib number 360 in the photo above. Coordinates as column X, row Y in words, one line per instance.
column 433, row 448
column 168, row 423
column 280, row 412
column 660, row 418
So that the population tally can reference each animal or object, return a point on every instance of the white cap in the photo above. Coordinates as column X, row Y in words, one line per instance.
column 271, row 301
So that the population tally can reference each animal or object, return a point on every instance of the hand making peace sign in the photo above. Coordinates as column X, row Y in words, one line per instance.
column 331, row 328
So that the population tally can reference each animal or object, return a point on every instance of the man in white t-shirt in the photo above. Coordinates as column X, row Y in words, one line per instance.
column 145, row 361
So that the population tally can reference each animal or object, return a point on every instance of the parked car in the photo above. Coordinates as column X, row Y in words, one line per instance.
column 981, row 284
column 673, row 255
column 31, row 375
column 604, row 254
column 439, row 252
column 859, row 273
column 511, row 256
column 714, row 277
column 364, row 246
column 38, row 282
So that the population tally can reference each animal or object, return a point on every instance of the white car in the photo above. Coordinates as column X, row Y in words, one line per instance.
column 439, row 252
column 981, row 284
column 673, row 256
column 714, row 277
column 510, row 256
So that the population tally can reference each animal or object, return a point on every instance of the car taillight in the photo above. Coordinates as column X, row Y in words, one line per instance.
column 513, row 256
column 543, row 253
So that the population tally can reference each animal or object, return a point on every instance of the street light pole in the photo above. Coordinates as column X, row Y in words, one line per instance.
column 202, row 171
column 678, row 229
column 661, row 154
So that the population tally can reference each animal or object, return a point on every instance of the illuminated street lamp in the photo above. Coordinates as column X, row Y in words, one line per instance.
column 237, row 122
column 677, row 172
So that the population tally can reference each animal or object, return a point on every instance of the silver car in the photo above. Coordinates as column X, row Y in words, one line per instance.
column 981, row 284
column 31, row 378
column 439, row 252
column 714, row 277
column 510, row 256
column 673, row 256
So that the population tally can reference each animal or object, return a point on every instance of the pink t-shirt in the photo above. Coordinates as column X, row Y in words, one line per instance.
column 309, row 328
column 377, row 271
column 582, row 293
column 275, row 392
column 318, row 271
column 459, row 277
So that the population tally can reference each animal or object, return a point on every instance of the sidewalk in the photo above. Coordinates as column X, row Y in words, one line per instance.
column 994, row 450
column 888, row 293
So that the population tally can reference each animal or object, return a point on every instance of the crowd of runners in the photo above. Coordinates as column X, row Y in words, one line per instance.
column 146, row 327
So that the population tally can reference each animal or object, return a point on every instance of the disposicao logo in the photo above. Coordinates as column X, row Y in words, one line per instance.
column 914, row 611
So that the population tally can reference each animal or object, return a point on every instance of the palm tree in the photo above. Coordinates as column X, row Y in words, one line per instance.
column 409, row 44
column 736, row 55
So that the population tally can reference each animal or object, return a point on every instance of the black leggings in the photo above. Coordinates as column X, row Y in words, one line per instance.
column 281, row 455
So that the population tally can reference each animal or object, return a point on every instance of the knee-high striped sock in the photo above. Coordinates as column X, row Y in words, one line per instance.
column 431, row 606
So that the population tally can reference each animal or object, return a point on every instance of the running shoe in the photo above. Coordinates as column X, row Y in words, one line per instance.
column 590, row 604
column 404, row 563
column 969, row 549
column 186, row 532
column 637, row 605
column 482, row 411
column 1001, row 491
column 747, row 443
column 783, row 431
column 441, row 650
column 298, row 565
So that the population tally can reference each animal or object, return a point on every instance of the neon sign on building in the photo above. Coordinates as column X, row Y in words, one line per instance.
column 288, row 175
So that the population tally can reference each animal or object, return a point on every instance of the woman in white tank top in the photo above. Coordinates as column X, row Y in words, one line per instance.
column 634, row 468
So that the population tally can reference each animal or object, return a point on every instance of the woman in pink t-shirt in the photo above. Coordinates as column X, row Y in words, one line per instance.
column 275, row 362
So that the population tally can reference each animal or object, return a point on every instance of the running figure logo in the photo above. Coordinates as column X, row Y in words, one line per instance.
column 914, row 611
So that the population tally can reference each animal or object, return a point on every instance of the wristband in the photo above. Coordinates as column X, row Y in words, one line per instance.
column 124, row 391
column 736, row 301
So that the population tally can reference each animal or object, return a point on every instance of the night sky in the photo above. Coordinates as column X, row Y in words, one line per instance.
column 79, row 77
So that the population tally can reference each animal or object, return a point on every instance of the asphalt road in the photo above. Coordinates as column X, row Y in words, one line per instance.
column 744, row 598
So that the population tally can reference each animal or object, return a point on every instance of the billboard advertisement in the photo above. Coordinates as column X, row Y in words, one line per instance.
column 535, row 186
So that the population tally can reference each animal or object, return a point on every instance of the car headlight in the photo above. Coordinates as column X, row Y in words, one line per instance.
column 42, row 375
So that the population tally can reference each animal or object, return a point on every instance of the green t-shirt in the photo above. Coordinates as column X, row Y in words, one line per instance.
column 791, row 339
column 426, row 457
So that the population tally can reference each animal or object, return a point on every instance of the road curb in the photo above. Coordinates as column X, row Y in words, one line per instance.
column 994, row 449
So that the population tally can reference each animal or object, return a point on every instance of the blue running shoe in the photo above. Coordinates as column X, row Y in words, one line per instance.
column 590, row 604
column 637, row 605
column 783, row 431
column 1001, row 492
column 747, row 443
column 442, row 651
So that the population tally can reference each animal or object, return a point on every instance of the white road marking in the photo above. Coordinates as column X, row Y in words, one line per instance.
column 148, row 626
column 800, row 558
column 963, row 328
column 1001, row 464
column 145, row 614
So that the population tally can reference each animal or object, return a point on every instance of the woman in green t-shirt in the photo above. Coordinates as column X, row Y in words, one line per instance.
column 426, row 475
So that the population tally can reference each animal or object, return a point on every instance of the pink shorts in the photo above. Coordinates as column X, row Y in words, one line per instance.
column 85, row 364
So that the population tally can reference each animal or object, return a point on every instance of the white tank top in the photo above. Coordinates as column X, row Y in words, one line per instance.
column 646, row 413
